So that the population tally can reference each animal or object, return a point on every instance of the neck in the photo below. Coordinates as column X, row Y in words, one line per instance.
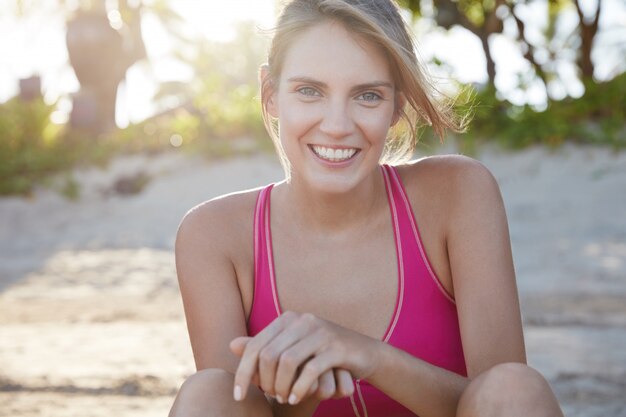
column 331, row 213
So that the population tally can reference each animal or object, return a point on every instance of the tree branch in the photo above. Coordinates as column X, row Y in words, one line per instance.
column 588, row 32
column 596, row 20
column 492, row 23
column 581, row 16
column 452, row 12
column 530, row 49
column 579, row 11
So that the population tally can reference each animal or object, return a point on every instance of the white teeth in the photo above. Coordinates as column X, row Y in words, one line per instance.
column 334, row 155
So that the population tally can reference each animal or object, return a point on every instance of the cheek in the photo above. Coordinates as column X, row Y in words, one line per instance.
column 295, row 119
column 375, row 125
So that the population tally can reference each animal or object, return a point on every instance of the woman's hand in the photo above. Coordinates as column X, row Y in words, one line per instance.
column 298, row 351
column 334, row 383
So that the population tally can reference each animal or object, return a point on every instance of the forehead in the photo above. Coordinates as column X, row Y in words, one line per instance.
column 329, row 53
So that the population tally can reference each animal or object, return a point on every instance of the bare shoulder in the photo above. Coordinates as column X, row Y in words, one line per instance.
column 225, row 208
column 450, row 180
column 453, row 172
column 221, row 223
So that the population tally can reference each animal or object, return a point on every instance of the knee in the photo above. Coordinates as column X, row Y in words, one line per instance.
column 509, row 389
column 207, row 381
column 209, row 392
column 201, row 392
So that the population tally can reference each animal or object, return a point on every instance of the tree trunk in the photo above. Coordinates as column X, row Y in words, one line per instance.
column 491, row 65
column 584, row 60
column 588, row 31
column 100, row 56
column 96, row 54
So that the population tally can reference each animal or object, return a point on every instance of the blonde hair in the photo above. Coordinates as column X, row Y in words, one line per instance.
column 379, row 22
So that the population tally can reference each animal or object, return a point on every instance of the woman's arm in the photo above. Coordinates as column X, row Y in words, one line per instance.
column 208, row 285
column 479, row 253
column 205, row 243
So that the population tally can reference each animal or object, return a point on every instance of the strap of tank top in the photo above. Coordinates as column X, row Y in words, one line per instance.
column 264, row 287
column 258, row 233
column 396, row 215
column 408, row 225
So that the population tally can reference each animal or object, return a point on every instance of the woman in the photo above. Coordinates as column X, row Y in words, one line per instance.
column 319, row 295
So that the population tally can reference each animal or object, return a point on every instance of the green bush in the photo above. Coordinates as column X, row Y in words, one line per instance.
column 597, row 117
column 33, row 149
column 30, row 145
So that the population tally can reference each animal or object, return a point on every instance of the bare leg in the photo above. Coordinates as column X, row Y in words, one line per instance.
column 209, row 393
column 509, row 390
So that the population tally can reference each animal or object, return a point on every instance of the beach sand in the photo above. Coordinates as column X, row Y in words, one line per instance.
column 91, row 321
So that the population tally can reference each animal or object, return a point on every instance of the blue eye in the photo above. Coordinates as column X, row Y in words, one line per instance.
column 370, row 96
column 308, row 91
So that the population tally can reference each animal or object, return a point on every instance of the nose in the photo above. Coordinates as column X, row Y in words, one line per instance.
column 337, row 121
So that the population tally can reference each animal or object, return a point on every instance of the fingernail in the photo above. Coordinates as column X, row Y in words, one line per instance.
column 293, row 399
column 237, row 393
column 280, row 399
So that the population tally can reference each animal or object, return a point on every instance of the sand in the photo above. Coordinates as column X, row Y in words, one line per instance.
column 91, row 321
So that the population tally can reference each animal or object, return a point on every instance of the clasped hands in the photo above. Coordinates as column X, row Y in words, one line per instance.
column 299, row 355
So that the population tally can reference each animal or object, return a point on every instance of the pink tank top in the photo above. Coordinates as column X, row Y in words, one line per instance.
column 424, row 322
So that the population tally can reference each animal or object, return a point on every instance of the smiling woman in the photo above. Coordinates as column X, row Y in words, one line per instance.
column 354, row 287
column 328, row 87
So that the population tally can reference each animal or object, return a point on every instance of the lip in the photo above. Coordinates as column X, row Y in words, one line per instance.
column 330, row 164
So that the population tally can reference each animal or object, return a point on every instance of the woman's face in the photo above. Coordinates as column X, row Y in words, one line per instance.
column 335, row 103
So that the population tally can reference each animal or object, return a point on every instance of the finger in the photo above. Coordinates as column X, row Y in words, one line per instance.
column 327, row 385
column 312, row 370
column 271, row 353
column 255, row 380
column 238, row 344
column 291, row 360
column 345, row 385
column 313, row 388
column 248, row 363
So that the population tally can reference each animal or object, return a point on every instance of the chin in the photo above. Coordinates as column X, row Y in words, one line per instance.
column 333, row 182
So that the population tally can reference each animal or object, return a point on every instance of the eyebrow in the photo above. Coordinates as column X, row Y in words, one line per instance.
column 373, row 84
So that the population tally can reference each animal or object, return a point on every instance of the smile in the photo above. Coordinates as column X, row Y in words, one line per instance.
column 334, row 155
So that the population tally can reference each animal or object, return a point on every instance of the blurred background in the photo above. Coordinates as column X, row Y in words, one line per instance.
column 117, row 116
column 100, row 77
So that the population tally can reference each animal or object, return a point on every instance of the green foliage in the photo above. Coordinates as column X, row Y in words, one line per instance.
column 475, row 10
column 224, row 90
column 595, row 118
column 70, row 188
column 33, row 149
column 414, row 6
column 231, row 111
column 30, row 146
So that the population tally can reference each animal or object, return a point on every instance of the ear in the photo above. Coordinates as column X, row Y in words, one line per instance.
column 399, row 106
column 268, row 91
